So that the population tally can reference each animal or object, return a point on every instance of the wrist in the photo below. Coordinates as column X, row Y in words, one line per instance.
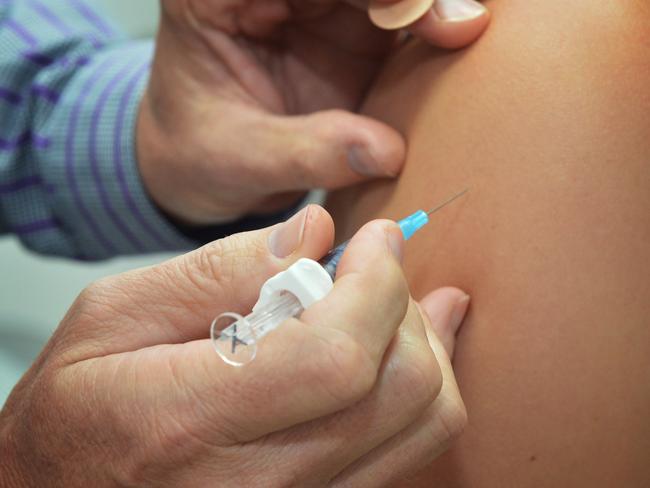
column 149, row 154
column 165, row 173
column 173, row 183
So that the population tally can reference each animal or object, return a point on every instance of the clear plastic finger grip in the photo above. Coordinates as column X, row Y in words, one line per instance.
column 286, row 295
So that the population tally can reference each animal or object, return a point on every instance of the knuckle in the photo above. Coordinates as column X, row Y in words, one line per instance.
column 301, row 154
column 163, row 438
column 48, row 393
column 93, row 292
column 446, row 421
column 212, row 261
column 92, row 314
column 346, row 370
column 454, row 419
column 418, row 375
column 98, row 301
column 223, row 260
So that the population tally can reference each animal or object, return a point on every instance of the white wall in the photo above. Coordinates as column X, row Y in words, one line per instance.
column 138, row 17
column 35, row 292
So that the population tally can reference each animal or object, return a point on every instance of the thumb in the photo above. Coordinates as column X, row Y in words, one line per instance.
column 452, row 23
column 331, row 149
column 444, row 23
column 176, row 301
column 446, row 309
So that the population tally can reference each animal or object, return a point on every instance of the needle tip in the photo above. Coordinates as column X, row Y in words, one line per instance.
column 442, row 205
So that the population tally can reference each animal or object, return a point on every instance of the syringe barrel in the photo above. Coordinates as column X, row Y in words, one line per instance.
column 331, row 261
column 409, row 226
column 235, row 337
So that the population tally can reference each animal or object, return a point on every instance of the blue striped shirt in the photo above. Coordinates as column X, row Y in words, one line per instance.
column 70, row 87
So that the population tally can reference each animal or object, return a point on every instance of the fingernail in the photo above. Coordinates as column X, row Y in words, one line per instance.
column 458, row 314
column 360, row 161
column 389, row 14
column 396, row 242
column 457, row 10
column 286, row 239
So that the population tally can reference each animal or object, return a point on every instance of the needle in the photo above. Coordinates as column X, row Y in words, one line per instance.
column 409, row 225
column 443, row 205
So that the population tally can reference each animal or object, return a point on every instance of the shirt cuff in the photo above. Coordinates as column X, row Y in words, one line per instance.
column 98, row 193
column 207, row 234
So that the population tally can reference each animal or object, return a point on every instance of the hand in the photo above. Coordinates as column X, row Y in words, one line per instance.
column 129, row 392
column 248, row 103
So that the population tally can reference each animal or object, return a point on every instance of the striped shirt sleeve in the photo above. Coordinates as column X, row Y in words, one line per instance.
column 70, row 87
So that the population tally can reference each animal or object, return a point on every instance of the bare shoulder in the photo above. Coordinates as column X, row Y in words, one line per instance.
column 547, row 121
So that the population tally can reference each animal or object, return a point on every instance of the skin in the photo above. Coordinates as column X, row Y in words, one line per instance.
column 130, row 392
column 250, row 102
column 546, row 120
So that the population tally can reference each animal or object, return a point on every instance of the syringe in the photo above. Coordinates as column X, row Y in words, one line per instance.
column 409, row 226
column 288, row 294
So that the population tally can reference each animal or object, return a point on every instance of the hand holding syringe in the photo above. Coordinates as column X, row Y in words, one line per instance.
column 363, row 370
column 288, row 294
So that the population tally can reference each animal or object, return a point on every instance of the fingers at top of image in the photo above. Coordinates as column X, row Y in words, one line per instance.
column 452, row 24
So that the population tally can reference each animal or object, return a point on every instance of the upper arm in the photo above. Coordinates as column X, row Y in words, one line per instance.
column 547, row 121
